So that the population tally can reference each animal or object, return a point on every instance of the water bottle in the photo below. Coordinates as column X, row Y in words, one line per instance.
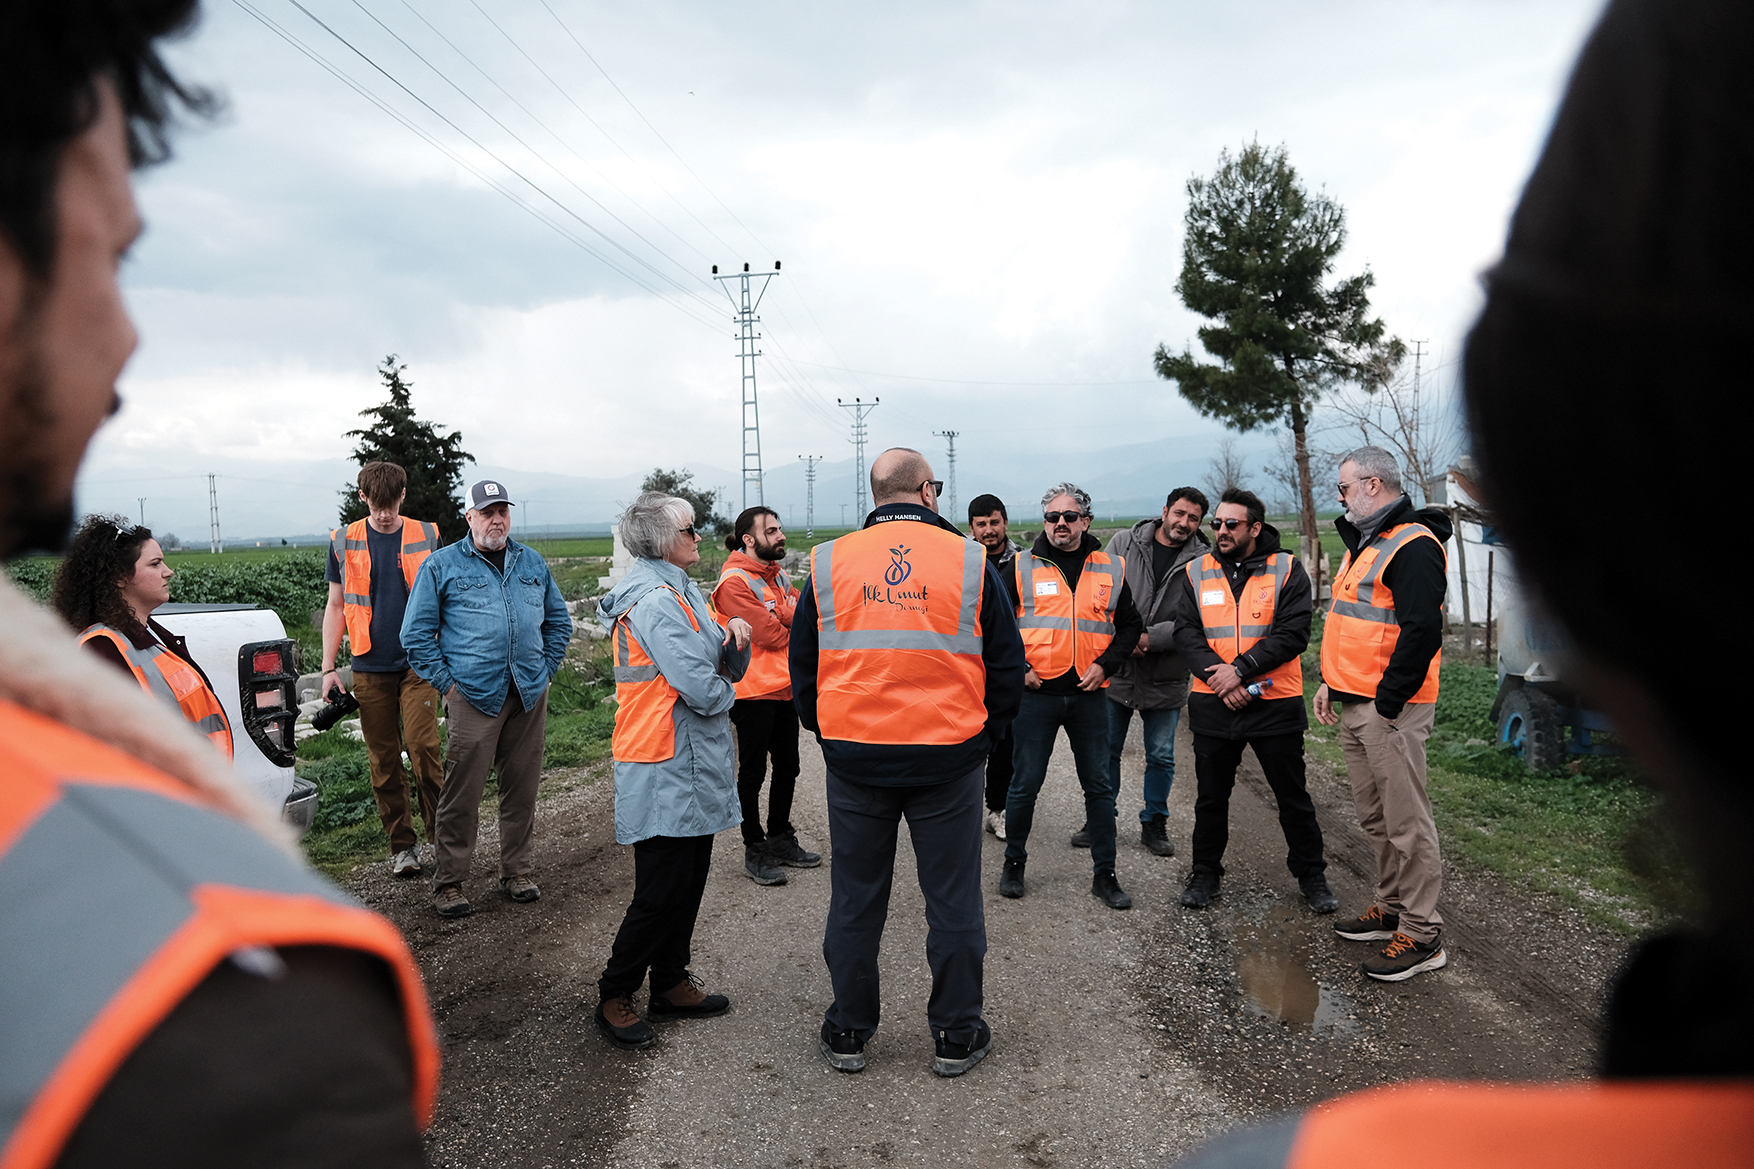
column 1259, row 689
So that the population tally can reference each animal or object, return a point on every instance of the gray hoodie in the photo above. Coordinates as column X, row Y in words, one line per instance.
column 1157, row 679
column 694, row 792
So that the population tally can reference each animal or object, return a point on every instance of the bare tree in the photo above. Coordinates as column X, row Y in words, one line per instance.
column 1282, row 471
column 1225, row 470
column 1405, row 414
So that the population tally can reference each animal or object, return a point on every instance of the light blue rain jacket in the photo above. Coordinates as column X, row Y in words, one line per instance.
column 694, row 792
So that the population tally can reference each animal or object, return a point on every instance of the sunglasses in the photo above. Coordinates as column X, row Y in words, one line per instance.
column 937, row 487
column 1227, row 525
column 1054, row 517
column 122, row 529
column 689, row 532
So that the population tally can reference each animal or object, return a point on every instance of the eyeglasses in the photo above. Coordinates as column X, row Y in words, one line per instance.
column 689, row 532
column 937, row 487
column 1226, row 525
column 1054, row 517
column 1345, row 487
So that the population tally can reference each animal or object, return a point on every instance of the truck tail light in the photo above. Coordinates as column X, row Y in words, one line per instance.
column 265, row 682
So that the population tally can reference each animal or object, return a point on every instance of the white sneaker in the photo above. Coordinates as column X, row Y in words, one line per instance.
column 996, row 824
column 405, row 864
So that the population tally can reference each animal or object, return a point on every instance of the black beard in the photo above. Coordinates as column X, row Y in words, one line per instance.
column 28, row 521
column 770, row 553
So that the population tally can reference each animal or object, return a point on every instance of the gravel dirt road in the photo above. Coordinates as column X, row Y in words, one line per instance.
column 1120, row 1038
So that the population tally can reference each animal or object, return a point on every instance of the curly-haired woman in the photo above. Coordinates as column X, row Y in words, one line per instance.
column 110, row 581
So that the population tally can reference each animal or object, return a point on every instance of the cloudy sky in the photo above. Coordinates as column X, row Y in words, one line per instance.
column 978, row 208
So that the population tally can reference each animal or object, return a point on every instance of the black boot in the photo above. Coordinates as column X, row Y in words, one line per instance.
column 1154, row 835
column 760, row 867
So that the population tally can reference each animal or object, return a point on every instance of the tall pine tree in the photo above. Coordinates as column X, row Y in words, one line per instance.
column 434, row 460
column 1257, row 251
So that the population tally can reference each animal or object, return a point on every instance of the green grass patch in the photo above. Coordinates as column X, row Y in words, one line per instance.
column 1593, row 832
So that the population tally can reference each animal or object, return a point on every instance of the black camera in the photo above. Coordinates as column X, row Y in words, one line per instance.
column 338, row 709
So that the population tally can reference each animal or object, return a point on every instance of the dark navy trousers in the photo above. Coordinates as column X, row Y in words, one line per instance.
column 944, row 823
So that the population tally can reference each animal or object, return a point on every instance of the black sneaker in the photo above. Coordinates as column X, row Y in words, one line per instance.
column 843, row 1050
column 1315, row 891
column 1155, row 836
column 624, row 1028
column 1202, row 886
column 785, row 850
column 1011, row 879
column 1373, row 926
column 1081, row 838
column 1105, row 887
column 955, row 1058
column 760, row 866
column 1402, row 958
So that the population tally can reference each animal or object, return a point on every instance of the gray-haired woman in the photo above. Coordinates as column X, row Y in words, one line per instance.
column 675, row 782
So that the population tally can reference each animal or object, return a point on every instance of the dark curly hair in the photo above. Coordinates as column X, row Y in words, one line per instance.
column 88, row 585
column 51, row 52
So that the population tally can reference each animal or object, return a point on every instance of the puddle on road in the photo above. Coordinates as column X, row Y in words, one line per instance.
column 1276, row 978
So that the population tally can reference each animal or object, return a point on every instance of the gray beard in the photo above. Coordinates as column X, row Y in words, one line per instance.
column 491, row 543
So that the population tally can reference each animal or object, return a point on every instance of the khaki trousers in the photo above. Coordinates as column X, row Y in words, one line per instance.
column 1386, row 763
column 511, row 744
column 396, row 709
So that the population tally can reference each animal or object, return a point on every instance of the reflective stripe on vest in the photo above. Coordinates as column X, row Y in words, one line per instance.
column 899, row 636
column 1062, row 631
column 645, row 727
column 169, row 678
column 1702, row 1124
column 768, row 672
column 1233, row 628
column 120, row 892
column 353, row 553
column 1362, row 630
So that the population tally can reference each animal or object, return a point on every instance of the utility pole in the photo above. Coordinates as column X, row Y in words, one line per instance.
column 810, row 462
column 860, row 408
column 1414, row 439
column 746, row 355
column 213, row 542
column 142, row 500
column 949, row 436
column 843, row 517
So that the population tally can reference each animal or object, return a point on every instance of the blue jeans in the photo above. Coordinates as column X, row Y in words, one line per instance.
column 1038, row 722
column 1160, row 727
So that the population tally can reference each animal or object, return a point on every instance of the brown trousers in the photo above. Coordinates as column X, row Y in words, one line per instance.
column 1386, row 763
column 397, row 709
column 511, row 744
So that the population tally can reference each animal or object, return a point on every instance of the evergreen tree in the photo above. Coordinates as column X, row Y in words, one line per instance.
column 1257, row 251
column 677, row 483
column 434, row 460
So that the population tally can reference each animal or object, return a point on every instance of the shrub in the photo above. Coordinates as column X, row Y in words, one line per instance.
column 34, row 574
column 291, row 585
column 345, row 784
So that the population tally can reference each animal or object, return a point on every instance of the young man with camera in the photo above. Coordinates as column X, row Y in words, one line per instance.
column 372, row 565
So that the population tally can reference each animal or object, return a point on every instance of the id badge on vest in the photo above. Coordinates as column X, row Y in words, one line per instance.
column 1047, row 588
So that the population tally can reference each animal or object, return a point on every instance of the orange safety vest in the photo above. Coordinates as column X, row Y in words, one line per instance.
column 164, row 675
column 645, row 729
column 1229, row 635
column 768, row 672
column 353, row 553
column 1700, row 1124
column 1060, row 631
column 899, row 636
column 120, row 891
column 1361, row 629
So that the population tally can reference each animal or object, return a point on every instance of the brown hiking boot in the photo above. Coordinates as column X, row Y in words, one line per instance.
column 686, row 1000
column 623, row 1025
column 450, row 902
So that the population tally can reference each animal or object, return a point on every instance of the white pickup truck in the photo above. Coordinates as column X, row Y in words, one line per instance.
column 248, row 658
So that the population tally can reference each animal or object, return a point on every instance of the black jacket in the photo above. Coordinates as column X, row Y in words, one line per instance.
column 1417, row 578
column 1128, row 624
column 1286, row 639
column 905, row 764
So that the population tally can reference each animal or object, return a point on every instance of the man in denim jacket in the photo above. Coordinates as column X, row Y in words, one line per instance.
column 486, row 626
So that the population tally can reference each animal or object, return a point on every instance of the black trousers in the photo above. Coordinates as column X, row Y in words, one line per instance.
column 766, row 727
column 999, row 769
column 1281, row 756
column 669, row 877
